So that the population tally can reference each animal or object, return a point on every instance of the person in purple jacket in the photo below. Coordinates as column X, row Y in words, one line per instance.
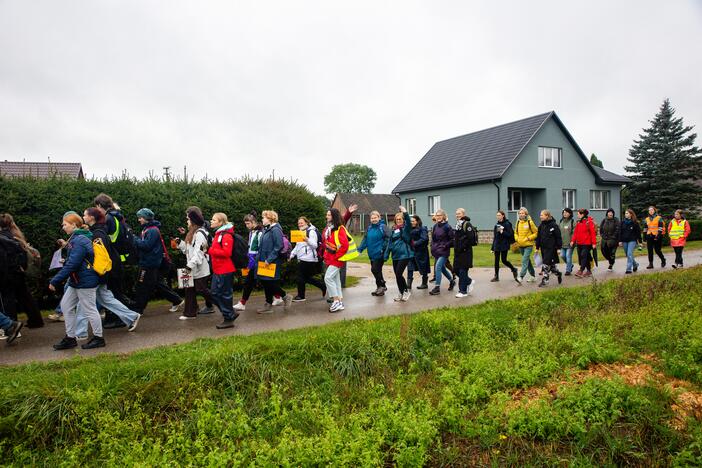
column 441, row 242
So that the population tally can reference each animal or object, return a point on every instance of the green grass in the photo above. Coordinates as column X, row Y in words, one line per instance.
column 435, row 389
column 483, row 258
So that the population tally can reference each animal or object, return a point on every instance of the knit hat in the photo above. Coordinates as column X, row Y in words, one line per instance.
column 569, row 211
column 67, row 213
column 612, row 210
column 145, row 213
column 195, row 217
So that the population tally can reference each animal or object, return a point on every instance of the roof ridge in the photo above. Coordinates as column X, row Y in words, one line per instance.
column 498, row 126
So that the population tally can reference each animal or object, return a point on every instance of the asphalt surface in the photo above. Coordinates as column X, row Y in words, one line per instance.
column 158, row 327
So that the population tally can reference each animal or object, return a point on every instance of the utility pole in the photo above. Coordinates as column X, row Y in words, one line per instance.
column 185, row 173
column 167, row 173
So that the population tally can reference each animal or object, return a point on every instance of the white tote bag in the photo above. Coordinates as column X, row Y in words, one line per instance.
column 538, row 260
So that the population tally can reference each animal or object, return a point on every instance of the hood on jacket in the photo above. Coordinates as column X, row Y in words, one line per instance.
column 225, row 227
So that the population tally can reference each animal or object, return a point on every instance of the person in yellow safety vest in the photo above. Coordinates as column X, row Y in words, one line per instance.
column 525, row 233
column 678, row 230
column 654, row 229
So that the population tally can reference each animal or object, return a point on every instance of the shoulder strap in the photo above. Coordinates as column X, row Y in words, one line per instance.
column 163, row 244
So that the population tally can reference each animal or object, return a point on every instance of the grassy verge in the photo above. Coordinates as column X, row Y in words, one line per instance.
column 483, row 258
column 509, row 382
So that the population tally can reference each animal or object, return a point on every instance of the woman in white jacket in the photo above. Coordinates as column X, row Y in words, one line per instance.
column 195, row 247
column 308, row 264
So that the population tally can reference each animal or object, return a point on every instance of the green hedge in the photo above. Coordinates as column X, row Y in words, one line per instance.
column 38, row 204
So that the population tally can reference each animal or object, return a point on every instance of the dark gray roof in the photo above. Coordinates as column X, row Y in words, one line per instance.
column 610, row 177
column 40, row 170
column 367, row 202
column 483, row 156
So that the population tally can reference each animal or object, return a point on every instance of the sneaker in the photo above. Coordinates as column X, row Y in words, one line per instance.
column 627, row 272
column 134, row 324
column 543, row 283
column 176, row 307
column 225, row 324
column 578, row 274
column 636, row 267
column 375, row 292
column 471, row 286
column 56, row 317
column 278, row 301
column 531, row 279
column 66, row 343
column 460, row 295
column 380, row 291
column 610, row 267
column 518, row 279
column 239, row 306
column 95, row 342
column 299, row 299
column 14, row 331
column 266, row 309
column 287, row 301
column 675, row 267
column 2, row 334
column 433, row 279
column 204, row 310
column 82, row 337
column 406, row 295
column 650, row 266
column 567, row 273
column 494, row 279
column 185, row 317
column 587, row 274
column 436, row 291
column 423, row 286
column 397, row 298
column 113, row 324
column 337, row 306
column 663, row 263
column 452, row 284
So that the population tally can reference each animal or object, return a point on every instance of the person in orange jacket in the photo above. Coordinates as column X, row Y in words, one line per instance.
column 654, row 230
column 585, row 239
column 678, row 230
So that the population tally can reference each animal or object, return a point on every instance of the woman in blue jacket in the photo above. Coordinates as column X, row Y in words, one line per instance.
column 420, row 244
column 399, row 246
column 269, row 247
column 375, row 241
column 82, row 284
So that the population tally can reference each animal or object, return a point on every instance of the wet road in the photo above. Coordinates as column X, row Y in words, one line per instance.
column 158, row 327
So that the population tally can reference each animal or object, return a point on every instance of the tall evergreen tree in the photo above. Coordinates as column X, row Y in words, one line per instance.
column 665, row 163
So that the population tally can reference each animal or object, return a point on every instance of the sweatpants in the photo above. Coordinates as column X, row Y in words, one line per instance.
column 377, row 270
column 609, row 251
column 399, row 266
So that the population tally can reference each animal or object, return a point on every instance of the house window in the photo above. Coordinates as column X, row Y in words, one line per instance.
column 569, row 198
column 411, row 205
column 550, row 157
column 515, row 200
column 599, row 199
column 434, row 204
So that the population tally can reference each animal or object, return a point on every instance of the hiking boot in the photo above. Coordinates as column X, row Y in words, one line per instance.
column 452, row 284
column 14, row 331
column 204, row 310
column 436, row 291
column 424, row 284
column 66, row 343
column 650, row 266
column 225, row 324
column 266, row 309
column 663, row 263
column 95, row 342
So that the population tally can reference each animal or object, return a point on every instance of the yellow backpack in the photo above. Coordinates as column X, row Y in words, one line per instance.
column 102, row 263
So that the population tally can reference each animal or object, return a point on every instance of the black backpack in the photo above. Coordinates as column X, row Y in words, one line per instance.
column 15, row 257
column 124, row 244
column 240, row 251
column 472, row 234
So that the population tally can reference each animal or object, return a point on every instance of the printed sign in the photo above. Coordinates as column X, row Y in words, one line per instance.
column 264, row 270
column 297, row 236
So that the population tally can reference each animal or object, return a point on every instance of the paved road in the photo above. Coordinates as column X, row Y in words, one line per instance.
column 159, row 327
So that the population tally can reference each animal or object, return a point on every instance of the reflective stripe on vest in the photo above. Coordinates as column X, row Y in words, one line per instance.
column 654, row 226
column 677, row 231
column 352, row 252
column 115, row 235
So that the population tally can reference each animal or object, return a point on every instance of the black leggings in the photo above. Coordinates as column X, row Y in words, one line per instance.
column 306, row 272
column 584, row 257
column 654, row 243
column 502, row 256
column 249, row 285
column 399, row 266
column 678, row 255
column 377, row 270
column 272, row 288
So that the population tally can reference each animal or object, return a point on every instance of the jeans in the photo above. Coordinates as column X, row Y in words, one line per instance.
column 463, row 280
column 5, row 322
column 333, row 281
column 440, row 269
column 306, row 272
column 81, row 326
column 567, row 256
column 398, row 266
column 526, row 261
column 377, row 270
column 629, row 249
column 584, row 257
column 106, row 299
column 85, row 299
column 222, row 294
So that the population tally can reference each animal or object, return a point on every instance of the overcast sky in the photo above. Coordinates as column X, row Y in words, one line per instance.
column 232, row 88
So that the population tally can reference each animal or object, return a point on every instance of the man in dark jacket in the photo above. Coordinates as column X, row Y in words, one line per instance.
column 609, row 235
column 549, row 241
column 153, row 262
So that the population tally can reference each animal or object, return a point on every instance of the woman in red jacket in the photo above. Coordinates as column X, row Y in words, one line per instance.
column 222, row 268
column 585, row 238
column 333, row 251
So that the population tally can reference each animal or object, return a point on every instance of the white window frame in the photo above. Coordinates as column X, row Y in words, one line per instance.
column 548, row 155
column 566, row 193
column 600, row 199
column 510, row 200
column 434, row 203
column 411, row 205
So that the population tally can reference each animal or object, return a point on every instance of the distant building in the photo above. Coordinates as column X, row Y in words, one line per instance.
column 385, row 204
column 41, row 170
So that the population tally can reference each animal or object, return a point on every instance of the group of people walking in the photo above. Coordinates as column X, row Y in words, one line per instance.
column 100, row 243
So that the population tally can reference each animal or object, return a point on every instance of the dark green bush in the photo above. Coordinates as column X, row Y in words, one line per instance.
column 38, row 204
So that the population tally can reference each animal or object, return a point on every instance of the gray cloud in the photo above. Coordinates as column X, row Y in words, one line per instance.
column 234, row 88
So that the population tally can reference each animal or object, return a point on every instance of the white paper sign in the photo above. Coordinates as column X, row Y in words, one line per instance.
column 56, row 261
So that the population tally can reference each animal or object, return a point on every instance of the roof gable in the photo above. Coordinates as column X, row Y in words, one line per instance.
column 367, row 202
column 40, row 169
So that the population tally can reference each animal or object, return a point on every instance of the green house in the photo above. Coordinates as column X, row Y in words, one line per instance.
column 533, row 162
